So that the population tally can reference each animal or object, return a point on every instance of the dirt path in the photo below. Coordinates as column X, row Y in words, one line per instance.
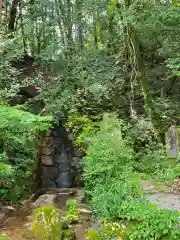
column 18, row 227
column 161, row 195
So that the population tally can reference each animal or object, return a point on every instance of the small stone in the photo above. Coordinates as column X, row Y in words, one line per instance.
column 9, row 209
column 85, row 211
column 28, row 225
column 2, row 216
column 78, row 153
column 70, row 136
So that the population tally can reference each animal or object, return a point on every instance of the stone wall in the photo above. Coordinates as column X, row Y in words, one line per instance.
column 59, row 160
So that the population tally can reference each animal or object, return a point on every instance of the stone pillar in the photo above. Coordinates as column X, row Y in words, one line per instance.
column 172, row 142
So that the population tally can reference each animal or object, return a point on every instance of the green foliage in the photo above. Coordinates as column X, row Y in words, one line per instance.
column 109, row 159
column 3, row 238
column 47, row 223
column 20, row 128
column 139, row 134
column 107, row 231
column 149, row 222
column 114, row 187
column 72, row 215
column 93, row 235
column 15, row 183
column 19, row 132
column 82, row 127
column 68, row 235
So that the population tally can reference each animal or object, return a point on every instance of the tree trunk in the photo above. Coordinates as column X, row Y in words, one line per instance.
column 142, row 77
column 13, row 15
column 59, row 20
column 95, row 31
column 22, row 29
column 79, row 24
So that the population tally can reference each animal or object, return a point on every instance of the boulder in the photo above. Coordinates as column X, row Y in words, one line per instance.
column 45, row 200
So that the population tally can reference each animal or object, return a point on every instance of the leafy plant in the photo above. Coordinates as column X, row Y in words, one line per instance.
column 107, row 231
column 72, row 213
column 93, row 235
column 3, row 238
column 47, row 223
column 82, row 127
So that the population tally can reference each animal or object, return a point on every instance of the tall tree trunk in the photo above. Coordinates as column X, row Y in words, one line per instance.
column 32, row 27
column 79, row 23
column 95, row 31
column 22, row 29
column 69, row 26
column 59, row 20
column 138, row 66
column 13, row 15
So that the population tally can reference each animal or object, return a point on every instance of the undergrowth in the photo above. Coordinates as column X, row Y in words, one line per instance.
column 72, row 213
column 19, row 136
column 48, row 224
column 113, row 187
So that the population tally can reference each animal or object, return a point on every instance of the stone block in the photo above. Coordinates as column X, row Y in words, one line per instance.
column 47, row 183
column 49, row 172
column 58, row 143
column 48, row 151
column 75, row 161
column 70, row 136
column 48, row 133
column 61, row 158
column 48, row 142
column 47, row 160
column 78, row 153
column 63, row 167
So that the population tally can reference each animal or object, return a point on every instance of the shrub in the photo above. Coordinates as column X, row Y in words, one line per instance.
column 108, row 169
column 107, row 231
column 82, row 127
column 19, row 132
column 114, row 187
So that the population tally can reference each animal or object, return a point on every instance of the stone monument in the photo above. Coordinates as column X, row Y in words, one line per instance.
column 173, row 142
